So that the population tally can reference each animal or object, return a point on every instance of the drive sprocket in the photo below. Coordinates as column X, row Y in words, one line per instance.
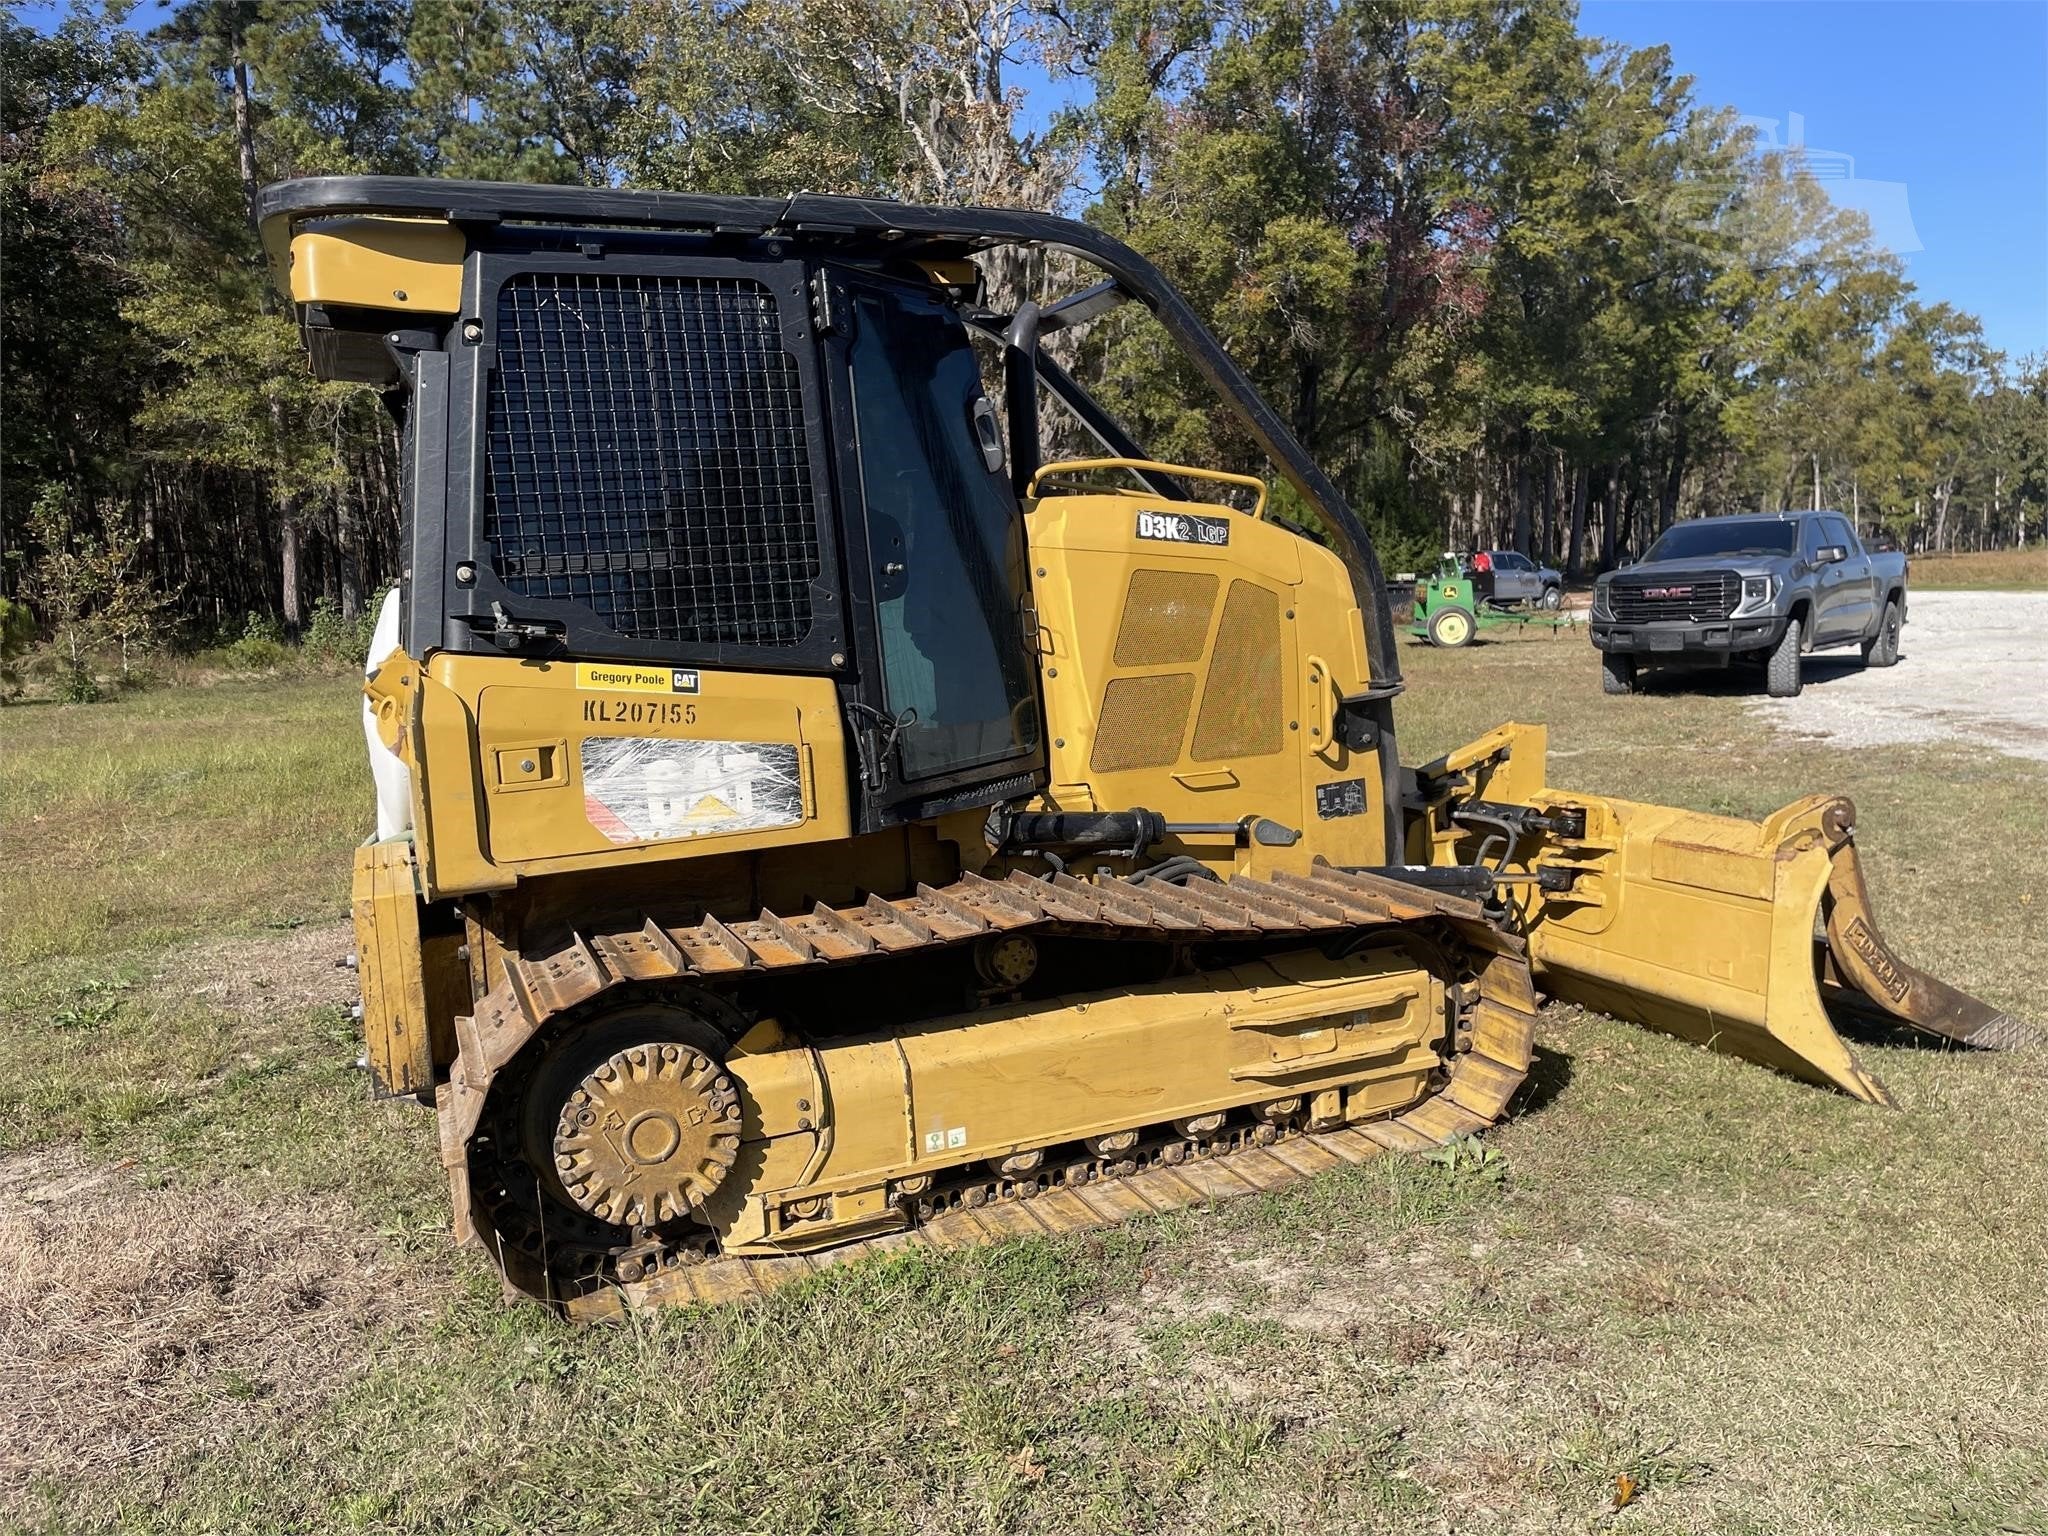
column 647, row 1134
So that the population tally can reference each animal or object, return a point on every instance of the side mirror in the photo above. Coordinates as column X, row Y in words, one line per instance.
column 1830, row 553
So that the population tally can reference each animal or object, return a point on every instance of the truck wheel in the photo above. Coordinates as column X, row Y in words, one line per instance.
column 1781, row 672
column 1882, row 649
column 1617, row 673
column 1553, row 598
column 1450, row 628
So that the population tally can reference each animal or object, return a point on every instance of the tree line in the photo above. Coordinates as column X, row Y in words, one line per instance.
column 1512, row 285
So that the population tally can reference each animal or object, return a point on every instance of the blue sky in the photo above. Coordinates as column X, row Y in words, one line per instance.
column 1929, row 115
column 1940, row 108
column 1947, row 102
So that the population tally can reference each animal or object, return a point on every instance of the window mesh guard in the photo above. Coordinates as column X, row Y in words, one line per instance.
column 647, row 457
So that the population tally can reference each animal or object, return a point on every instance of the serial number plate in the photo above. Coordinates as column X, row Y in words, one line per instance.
column 638, row 712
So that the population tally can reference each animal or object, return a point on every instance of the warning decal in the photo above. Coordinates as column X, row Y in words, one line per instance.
column 1346, row 797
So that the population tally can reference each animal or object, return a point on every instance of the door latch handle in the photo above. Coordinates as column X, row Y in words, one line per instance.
column 1038, row 639
column 1321, row 705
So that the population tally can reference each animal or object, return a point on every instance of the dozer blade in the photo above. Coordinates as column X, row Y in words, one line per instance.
column 1749, row 937
column 1855, row 956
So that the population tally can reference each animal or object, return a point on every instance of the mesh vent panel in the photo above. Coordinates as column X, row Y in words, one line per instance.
column 1166, row 618
column 1142, row 723
column 646, row 456
column 1241, row 705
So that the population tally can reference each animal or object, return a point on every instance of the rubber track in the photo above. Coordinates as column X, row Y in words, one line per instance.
column 1495, row 1037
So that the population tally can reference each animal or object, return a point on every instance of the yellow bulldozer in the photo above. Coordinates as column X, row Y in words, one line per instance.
column 812, row 824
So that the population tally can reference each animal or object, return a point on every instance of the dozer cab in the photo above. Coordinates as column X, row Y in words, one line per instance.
column 812, row 824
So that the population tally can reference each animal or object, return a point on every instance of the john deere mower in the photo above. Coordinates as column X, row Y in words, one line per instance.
column 1454, row 605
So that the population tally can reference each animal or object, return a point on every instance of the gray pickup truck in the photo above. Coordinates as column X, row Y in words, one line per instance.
column 1765, row 589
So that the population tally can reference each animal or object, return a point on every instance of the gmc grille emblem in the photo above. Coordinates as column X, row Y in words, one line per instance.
column 1667, row 591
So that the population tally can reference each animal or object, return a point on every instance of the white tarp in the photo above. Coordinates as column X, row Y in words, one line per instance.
column 639, row 789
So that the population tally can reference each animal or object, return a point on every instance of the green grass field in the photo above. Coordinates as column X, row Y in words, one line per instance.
column 2004, row 570
column 227, row 1304
column 175, row 812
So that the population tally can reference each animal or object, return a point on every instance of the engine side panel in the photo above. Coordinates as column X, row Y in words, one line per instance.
column 1193, row 661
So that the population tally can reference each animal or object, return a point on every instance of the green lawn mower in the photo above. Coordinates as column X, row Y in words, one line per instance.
column 1453, row 605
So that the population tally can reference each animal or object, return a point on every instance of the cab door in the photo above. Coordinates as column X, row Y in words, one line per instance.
column 946, row 696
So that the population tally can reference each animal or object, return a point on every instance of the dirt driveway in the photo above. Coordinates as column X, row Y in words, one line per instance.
column 1973, row 667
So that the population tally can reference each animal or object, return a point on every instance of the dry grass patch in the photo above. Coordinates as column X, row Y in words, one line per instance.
column 2000, row 570
column 143, row 1327
column 265, row 981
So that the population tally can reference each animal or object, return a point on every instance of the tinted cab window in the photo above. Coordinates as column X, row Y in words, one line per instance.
column 946, row 538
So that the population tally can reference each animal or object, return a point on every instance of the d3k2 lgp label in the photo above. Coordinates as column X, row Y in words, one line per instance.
column 1183, row 527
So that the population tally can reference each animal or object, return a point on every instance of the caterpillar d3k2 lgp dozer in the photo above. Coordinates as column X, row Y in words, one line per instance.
column 811, row 824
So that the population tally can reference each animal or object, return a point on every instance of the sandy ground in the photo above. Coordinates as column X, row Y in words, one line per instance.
column 266, row 978
column 1973, row 667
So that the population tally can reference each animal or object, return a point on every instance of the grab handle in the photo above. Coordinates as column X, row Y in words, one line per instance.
column 1251, row 483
